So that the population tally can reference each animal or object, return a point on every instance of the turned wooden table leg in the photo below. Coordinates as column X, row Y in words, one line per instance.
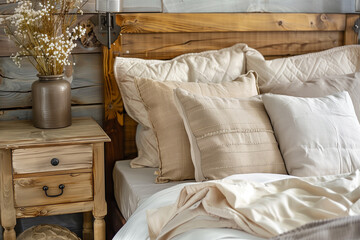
column 100, row 208
column 9, row 234
column 8, row 213
column 99, row 228
column 88, row 226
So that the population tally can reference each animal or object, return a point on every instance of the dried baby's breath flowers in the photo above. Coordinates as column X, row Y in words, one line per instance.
column 42, row 31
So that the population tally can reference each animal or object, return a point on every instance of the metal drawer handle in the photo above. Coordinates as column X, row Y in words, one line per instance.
column 54, row 161
column 61, row 187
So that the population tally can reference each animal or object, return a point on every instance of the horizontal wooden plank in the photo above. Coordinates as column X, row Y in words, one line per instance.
column 51, row 173
column 86, row 81
column 87, row 44
column 54, row 209
column 224, row 22
column 8, row 8
column 94, row 111
column 169, row 45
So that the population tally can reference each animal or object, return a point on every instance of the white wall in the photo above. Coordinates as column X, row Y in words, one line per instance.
column 187, row 6
column 309, row 6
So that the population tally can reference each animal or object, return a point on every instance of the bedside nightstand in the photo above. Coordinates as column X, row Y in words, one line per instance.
column 52, row 171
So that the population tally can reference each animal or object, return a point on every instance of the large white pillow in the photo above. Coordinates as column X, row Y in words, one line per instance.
column 210, row 66
column 317, row 136
column 301, row 68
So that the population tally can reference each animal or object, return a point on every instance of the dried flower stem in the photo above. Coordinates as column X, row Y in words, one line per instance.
column 44, row 34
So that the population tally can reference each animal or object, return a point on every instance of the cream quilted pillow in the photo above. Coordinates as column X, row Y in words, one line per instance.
column 327, row 85
column 228, row 136
column 171, row 138
column 222, row 65
column 294, row 70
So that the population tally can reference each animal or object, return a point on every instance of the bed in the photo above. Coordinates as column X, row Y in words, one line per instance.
column 165, row 36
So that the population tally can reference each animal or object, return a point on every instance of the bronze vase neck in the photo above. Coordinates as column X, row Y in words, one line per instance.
column 50, row 77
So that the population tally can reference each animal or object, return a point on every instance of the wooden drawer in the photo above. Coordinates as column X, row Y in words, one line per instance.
column 34, row 160
column 29, row 191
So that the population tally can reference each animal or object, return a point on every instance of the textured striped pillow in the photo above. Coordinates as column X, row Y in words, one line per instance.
column 228, row 136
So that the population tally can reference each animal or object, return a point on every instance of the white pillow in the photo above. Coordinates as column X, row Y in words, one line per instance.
column 210, row 66
column 301, row 68
column 317, row 136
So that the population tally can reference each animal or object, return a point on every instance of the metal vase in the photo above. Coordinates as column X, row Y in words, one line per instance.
column 51, row 99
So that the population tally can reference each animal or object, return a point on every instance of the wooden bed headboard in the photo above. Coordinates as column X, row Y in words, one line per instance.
column 167, row 35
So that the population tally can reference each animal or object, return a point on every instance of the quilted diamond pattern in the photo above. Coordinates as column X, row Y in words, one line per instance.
column 301, row 68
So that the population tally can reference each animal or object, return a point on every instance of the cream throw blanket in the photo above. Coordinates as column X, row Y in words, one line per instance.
column 264, row 210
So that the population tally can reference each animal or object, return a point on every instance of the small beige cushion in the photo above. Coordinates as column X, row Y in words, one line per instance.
column 172, row 140
column 228, row 136
column 221, row 65
column 294, row 70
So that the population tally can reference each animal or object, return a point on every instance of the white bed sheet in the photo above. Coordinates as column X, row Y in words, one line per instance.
column 132, row 186
column 136, row 227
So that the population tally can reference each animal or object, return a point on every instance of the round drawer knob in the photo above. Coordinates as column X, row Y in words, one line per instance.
column 54, row 161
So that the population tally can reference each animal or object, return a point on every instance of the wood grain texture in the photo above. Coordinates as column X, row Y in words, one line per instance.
column 100, row 207
column 87, row 44
column 54, row 209
column 170, row 45
column 39, row 159
column 78, row 187
column 82, row 143
column 9, row 234
column 85, row 77
column 88, row 233
column 50, row 173
column 99, row 228
column 224, row 22
column 130, row 125
column 8, row 219
column 94, row 111
column 114, row 116
column 350, row 35
column 17, row 134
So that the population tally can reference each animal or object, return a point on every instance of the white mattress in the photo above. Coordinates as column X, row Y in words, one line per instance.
column 132, row 186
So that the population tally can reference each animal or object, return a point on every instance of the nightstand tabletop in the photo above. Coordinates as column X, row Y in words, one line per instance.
column 15, row 134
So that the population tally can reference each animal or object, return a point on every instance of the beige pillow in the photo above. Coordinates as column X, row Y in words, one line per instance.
column 172, row 140
column 228, row 136
column 222, row 65
column 301, row 68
